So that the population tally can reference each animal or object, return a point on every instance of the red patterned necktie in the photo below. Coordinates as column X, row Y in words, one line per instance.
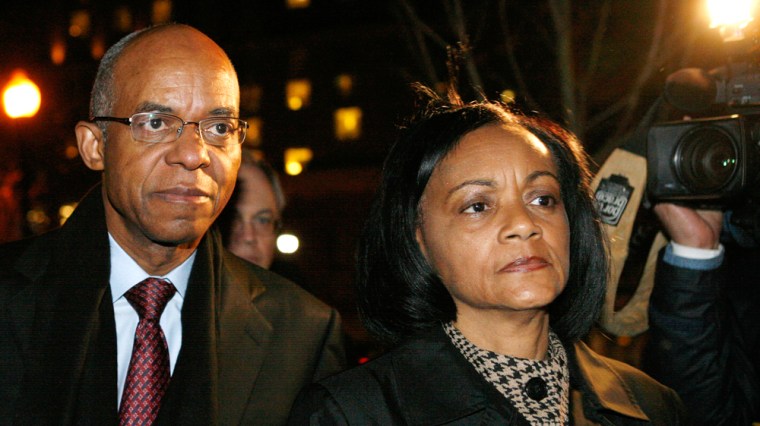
column 149, row 373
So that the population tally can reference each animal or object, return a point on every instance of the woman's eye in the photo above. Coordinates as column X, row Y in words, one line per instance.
column 544, row 200
column 475, row 208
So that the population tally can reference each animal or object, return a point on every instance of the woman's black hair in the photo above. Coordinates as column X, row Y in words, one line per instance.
column 398, row 292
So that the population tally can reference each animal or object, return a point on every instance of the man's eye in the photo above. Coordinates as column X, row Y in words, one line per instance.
column 222, row 128
column 475, row 208
column 263, row 220
column 156, row 123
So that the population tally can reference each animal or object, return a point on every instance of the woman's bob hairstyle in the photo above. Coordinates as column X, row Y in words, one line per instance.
column 398, row 292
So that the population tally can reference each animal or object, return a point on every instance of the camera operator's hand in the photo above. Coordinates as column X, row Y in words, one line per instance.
column 691, row 227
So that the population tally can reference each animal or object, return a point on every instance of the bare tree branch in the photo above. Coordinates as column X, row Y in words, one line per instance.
column 560, row 12
column 416, row 22
column 650, row 65
column 459, row 24
column 512, row 59
column 596, row 49
column 418, row 30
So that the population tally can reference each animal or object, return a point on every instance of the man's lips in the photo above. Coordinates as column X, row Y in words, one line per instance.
column 526, row 264
column 183, row 195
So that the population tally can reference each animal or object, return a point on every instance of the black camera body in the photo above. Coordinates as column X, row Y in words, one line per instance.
column 709, row 162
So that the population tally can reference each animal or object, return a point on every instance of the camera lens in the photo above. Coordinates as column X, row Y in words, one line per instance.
column 706, row 159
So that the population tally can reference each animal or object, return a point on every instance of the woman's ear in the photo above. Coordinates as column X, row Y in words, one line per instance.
column 420, row 241
column 90, row 144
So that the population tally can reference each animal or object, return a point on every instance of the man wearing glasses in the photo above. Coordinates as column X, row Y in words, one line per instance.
column 132, row 312
column 253, row 217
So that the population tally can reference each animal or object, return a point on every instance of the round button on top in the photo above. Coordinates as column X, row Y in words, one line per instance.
column 536, row 389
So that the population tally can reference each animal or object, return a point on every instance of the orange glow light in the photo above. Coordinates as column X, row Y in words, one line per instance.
column 21, row 97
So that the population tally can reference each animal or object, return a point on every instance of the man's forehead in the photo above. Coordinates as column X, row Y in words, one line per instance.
column 164, row 85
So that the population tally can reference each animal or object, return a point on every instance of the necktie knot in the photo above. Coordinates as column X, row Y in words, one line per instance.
column 149, row 297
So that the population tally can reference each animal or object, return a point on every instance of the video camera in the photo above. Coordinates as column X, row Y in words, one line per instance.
column 711, row 161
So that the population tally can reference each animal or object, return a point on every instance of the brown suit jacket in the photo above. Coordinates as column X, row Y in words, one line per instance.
column 251, row 339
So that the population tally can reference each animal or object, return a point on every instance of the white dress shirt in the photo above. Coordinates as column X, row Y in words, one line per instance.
column 125, row 274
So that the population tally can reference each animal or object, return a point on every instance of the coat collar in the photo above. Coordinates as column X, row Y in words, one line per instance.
column 431, row 362
column 69, row 274
column 433, row 373
column 604, row 384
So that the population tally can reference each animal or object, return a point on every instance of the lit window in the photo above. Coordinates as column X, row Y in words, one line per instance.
column 296, row 160
column 162, row 11
column 508, row 96
column 79, row 25
column 250, row 97
column 65, row 211
column 98, row 47
column 58, row 51
column 122, row 19
column 253, row 135
column 345, row 84
column 297, row 4
column 348, row 123
column 71, row 152
column 298, row 94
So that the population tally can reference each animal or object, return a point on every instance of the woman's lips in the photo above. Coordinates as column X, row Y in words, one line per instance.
column 526, row 264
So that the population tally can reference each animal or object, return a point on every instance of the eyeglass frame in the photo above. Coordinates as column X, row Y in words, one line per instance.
column 242, row 126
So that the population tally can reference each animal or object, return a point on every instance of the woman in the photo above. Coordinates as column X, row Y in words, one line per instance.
column 483, row 263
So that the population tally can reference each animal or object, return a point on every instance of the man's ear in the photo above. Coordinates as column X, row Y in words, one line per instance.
column 90, row 144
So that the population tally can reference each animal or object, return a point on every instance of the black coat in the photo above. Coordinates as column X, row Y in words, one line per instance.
column 704, row 338
column 250, row 339
column 426, row 381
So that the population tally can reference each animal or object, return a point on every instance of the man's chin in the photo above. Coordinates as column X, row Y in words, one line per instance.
column 186, row 235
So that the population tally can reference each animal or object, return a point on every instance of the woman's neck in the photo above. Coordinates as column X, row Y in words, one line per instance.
column 517, row 334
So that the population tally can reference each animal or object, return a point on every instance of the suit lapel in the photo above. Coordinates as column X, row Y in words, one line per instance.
column 224, row 340
column 244, row 337
column 192, row 397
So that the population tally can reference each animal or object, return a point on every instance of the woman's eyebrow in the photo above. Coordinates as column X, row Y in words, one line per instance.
column 539, row 174
column 477, row 182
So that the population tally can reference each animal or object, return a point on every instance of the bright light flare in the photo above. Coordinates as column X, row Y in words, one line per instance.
column 736, row 13
column 287, row 243
column 21, row 97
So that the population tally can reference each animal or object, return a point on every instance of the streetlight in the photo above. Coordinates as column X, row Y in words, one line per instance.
column 21, row 97
column 21, row 101
column 731, row 16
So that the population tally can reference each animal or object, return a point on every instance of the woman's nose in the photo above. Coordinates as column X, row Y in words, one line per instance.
column 518, row 224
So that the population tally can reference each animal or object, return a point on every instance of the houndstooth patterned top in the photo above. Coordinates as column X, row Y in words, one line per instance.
column 539, row 389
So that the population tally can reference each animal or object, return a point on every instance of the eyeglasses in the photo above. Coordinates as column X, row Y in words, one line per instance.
column 262, row 223
column 158, row 127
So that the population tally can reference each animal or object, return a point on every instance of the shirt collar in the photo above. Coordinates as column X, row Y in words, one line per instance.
column 125, row 272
